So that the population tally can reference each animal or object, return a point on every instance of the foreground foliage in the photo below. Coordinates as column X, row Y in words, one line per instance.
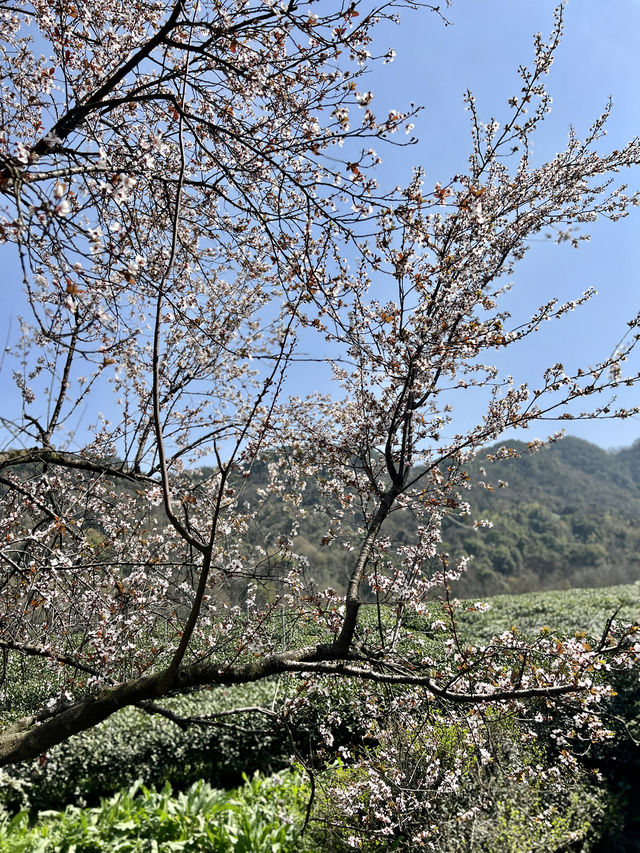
column 268, row 815
column 258, row 818
column 138, row 746
column 384, row 777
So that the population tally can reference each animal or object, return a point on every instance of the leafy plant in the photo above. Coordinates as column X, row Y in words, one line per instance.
column 263, row 816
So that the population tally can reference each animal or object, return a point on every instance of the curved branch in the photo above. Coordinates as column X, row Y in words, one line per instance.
column 37, row 651
column 32, row 736
column 13, row 458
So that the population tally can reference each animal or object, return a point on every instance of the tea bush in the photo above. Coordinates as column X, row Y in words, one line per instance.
column 132, row 745
column 507, row 805
column 511, row 805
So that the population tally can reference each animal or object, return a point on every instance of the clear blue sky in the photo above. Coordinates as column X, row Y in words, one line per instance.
column 482, row 49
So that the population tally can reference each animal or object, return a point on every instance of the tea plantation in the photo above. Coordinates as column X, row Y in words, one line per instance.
column 141, row 782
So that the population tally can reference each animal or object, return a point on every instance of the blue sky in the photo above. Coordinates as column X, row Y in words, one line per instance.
column 598, row 58
column 481, row 50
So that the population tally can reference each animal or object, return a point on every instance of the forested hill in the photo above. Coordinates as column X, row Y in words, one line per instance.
column 570, row 516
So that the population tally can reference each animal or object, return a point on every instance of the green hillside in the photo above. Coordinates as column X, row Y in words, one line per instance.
column 568, row 517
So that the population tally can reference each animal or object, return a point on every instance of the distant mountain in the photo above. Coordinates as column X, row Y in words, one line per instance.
column 570, row 516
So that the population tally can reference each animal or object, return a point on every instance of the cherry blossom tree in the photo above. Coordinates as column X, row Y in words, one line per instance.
column 191, row 192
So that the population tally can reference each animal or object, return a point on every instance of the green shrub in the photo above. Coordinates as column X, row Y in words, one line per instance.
column 416, row 792
column 264, row 816
column 133, row 745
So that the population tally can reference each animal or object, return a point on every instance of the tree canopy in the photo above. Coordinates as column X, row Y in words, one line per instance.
column 192, row 192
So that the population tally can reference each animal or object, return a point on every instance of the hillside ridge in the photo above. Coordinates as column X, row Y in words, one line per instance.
column 568, row 517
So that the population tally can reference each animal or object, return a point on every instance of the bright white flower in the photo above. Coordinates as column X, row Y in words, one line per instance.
column 63, row 208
